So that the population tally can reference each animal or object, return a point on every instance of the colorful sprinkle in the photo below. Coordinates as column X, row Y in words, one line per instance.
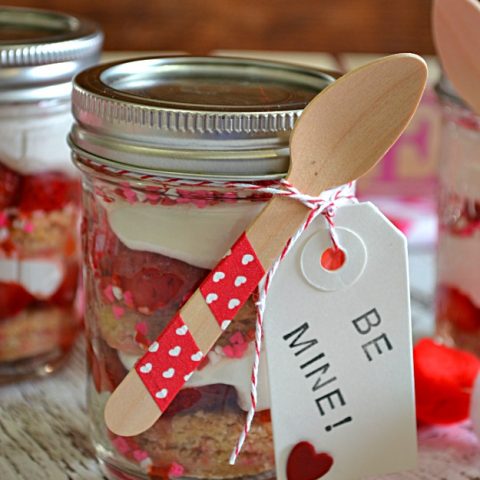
column 153, row 198
column 118, row 311
column 235, row 351
column 237, row 339
column 108, row 292
column 117, row 292
column 128, row 299
column 142, row 328
column 129, row 195
column 3, row 234
column 139, row 455
column 121, row 445
column 176, row 470
column 28, row 227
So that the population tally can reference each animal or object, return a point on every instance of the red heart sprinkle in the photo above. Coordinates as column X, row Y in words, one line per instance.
column 306, row 464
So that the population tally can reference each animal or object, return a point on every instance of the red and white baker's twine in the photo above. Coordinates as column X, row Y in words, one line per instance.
column 326, row 204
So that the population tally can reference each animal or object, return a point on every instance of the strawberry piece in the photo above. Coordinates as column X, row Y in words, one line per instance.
column 114, row 369
column 13, row 299
column 264, row 416
column 48, row 191
column 106, row 368
column 185, row 400
column 152, row 289
column 10, row 183
column 455, row 307
column 65, row 295
column 159, row 472
column 210, row 397
column 153, row 280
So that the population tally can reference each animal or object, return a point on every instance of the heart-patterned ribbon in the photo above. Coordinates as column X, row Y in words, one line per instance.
column 227, row 287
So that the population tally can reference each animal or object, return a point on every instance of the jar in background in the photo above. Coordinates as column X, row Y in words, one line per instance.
column 40, row 51
column 458, row 262
column 155, row 140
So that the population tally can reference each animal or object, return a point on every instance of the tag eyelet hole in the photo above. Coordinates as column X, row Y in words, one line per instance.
column 333, row 258
column 349, row 264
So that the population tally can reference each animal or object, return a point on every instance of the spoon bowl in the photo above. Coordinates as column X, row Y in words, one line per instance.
column 350, row 125
column 456, row 31
column 342, row 134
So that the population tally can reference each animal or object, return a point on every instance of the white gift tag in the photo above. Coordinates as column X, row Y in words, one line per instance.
column 339, row 353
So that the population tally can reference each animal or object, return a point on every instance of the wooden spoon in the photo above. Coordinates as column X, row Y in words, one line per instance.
column 456, row 29
column 341, row 134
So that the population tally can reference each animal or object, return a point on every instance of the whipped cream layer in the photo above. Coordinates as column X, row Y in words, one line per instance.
column 36, row 145
column 457, row 264
column 39, row 277
column 228, row 371
column 197, row 236
column 461, row 175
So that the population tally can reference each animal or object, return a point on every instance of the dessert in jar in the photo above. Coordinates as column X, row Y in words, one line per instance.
column 458, row 262
column 40, row 51
column 165, row 146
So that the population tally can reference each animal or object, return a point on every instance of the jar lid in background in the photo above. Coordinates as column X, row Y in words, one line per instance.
column 40, row 52
column 193, row 116
column 446, row 91
column 454, row 107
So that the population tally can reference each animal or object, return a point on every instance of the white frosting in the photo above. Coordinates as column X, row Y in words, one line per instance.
column 40, row 277
column 198, row 236
column 458, row 263
column 228, row 371
column 37, row 144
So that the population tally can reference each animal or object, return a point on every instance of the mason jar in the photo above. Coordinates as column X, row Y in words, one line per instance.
column 458, row 260
column 40, row 51
column 165, row 146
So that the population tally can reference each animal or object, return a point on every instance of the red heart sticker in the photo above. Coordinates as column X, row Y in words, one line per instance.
column 304, row 463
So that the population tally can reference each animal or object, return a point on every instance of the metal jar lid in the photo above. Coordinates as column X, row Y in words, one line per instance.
column 40, row 52
column 192, row 116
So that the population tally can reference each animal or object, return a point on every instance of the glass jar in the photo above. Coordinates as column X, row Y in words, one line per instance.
column 40, row 52
column 156, row 140
column 458, row 275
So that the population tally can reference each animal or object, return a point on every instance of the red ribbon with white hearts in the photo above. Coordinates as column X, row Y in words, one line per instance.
column 227, row 287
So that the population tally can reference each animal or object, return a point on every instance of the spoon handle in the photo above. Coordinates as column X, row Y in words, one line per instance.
column 274, row 226
column 145, row 393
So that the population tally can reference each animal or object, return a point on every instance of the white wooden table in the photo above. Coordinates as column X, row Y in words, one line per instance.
column 43, row 424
